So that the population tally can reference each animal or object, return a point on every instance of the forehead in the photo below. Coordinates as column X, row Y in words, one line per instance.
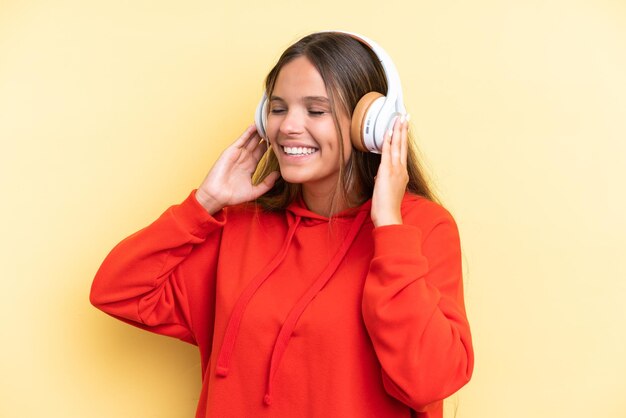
column 299, row 77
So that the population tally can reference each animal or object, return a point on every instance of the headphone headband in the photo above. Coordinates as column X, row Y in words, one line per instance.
column 394, row 87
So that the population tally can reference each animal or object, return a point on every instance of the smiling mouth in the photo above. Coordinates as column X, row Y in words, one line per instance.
column 296, row 151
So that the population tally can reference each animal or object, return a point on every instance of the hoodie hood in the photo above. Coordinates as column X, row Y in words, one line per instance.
column 296, row 214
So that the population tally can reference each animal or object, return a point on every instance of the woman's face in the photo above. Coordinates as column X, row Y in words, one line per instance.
column 301, row 128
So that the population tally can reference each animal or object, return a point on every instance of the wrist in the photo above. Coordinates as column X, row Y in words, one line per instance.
column 390, row 219
column 208, row 202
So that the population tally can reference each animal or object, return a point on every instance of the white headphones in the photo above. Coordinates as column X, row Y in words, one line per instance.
column 373, row 115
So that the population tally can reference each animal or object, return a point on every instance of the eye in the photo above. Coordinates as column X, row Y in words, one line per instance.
column 277, row 110
column 316, row 112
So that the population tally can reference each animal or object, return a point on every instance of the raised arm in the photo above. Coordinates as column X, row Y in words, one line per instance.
column 413, row 304
column 413, row 307
column 162, row 278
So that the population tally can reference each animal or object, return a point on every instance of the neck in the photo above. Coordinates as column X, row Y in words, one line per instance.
column 329, row 202
column 326, row 198
column 322, row 202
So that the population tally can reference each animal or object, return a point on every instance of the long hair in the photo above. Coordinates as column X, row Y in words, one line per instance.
column 349, row 69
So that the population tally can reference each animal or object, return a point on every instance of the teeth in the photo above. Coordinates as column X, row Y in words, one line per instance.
column 299, row 150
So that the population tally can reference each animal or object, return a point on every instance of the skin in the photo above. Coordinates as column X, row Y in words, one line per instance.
column 300, row 116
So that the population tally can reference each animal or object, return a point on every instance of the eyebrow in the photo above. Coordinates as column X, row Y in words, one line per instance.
column 320, row 99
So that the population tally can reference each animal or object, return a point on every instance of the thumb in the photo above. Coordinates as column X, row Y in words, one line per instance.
column 267, row 183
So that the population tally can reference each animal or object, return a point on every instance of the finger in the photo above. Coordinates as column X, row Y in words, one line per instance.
column 253, row 142
column 386, row 151
column 267, row 183
column 404, row 148
column 396, row 140
column 260, row 149
column 245, row 136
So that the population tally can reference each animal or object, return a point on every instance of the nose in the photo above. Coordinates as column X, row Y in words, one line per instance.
column 292, row 123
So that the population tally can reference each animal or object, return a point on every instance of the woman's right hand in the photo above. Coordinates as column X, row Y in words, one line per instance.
column 229, row 181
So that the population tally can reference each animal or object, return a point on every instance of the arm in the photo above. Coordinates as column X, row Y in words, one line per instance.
column 413, row 308
column 163, row 277
column 152, row 280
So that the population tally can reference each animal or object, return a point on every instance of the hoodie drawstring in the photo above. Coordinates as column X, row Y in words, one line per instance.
column 232, row 329
column 290, row 322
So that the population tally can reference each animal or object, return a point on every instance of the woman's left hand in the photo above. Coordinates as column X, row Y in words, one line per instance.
column 392, row 177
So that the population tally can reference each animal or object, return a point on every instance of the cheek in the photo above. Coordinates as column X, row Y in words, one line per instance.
column 347, row 143
column 347, row 151
column 273, row 144
column 271, row 127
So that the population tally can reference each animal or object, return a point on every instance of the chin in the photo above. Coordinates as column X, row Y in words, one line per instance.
column 293, row 178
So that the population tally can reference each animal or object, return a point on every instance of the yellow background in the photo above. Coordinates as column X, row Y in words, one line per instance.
column 110, row 111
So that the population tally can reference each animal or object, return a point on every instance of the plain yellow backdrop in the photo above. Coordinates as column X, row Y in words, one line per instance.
column 110, row 111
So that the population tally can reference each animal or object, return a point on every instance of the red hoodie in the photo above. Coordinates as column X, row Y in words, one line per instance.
column 299, row 316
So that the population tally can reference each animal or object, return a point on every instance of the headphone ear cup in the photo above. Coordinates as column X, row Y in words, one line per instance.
column 260, row 118
column 359, row 116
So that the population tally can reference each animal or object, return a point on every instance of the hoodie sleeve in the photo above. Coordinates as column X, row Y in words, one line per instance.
column 162, row 278
column 413, row 307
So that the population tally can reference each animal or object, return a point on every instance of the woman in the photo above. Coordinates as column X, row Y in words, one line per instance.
column 328, row 287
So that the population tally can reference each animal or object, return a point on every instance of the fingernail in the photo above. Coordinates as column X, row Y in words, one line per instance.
column 402, row 118
column 408, row 117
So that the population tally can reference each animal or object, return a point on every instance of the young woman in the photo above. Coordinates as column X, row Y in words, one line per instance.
column 327, row 286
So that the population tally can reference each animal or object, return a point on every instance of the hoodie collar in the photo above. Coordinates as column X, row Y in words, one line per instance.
column 299, row 209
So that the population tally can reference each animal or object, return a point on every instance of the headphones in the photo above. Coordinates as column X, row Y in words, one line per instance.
column 374, row 113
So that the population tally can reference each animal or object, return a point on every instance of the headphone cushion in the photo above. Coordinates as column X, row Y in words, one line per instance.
column 358, row 119
column 260, row 117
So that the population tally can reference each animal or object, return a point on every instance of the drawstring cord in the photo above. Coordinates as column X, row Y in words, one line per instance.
column 232, row 329
column 290, row 323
